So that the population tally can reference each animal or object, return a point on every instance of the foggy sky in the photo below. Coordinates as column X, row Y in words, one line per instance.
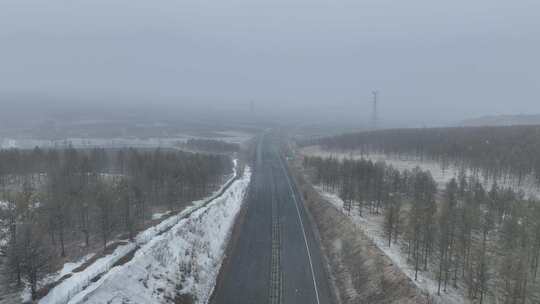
column 433, row 61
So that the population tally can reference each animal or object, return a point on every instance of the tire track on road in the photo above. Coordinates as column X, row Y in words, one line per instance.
column 275, row 267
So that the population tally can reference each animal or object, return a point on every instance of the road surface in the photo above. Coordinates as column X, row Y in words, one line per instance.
column 275, row 259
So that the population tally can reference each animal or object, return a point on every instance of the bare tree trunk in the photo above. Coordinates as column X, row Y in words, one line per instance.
column 62, row 245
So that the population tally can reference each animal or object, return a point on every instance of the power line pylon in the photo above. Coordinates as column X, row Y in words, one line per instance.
column 375, row 114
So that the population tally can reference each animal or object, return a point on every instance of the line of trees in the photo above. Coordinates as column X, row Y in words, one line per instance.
column 484, row 241
column 496, row 151
column 54, row 199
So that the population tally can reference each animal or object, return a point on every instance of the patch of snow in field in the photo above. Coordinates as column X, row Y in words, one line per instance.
column 69, row 267
column 66, row 269
column 232, row 136
column 8, row 143
column 372, row 226
column 159, row 215
column 184, row 260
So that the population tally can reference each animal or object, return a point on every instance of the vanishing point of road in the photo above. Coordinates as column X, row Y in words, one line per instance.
column 275, row 257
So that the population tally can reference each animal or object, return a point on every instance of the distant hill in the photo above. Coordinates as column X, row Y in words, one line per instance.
column 502, row 120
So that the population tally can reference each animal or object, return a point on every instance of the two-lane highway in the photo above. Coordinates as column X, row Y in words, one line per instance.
column 275, row 258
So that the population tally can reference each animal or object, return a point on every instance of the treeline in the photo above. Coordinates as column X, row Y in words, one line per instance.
column 366, row 183
column 494, row 150
column 484, row 241
column 17, row 165
column 211, row 145
column 54, row 200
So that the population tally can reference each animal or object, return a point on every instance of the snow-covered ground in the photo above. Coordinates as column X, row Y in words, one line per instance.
column 441, row 173
column 119, row 142
column 232, row 136
column 3, row 227
column 184, row 260
column 80, row 281
column 66, row 269
column 69, row 267
column 76, row 142
column 372, row 226
column 159, row 215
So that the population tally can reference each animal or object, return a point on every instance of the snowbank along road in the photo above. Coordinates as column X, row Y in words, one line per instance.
column 177, row 261
column 275, row 258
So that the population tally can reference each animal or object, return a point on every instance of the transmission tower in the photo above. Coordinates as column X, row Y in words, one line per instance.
column 375, row 115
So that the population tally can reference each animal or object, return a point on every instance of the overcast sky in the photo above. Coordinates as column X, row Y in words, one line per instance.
column 433, row 61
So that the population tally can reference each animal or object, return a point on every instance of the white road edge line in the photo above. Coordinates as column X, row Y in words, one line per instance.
column 301, row 226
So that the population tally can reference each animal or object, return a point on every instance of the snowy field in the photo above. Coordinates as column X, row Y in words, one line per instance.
column 231, row 136
column 120, row 142
column 80, row 284
column 441, row 173
column 91, row 142
column 372, row 226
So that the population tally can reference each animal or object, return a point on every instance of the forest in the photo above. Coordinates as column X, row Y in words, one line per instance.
column 485, row 242
column 61, row 204
column 496, row 151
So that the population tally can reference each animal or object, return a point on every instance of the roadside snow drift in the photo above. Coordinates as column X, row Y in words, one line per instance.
column 184, row 260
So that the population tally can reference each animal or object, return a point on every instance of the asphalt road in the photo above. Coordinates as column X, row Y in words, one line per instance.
column 275, row 258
